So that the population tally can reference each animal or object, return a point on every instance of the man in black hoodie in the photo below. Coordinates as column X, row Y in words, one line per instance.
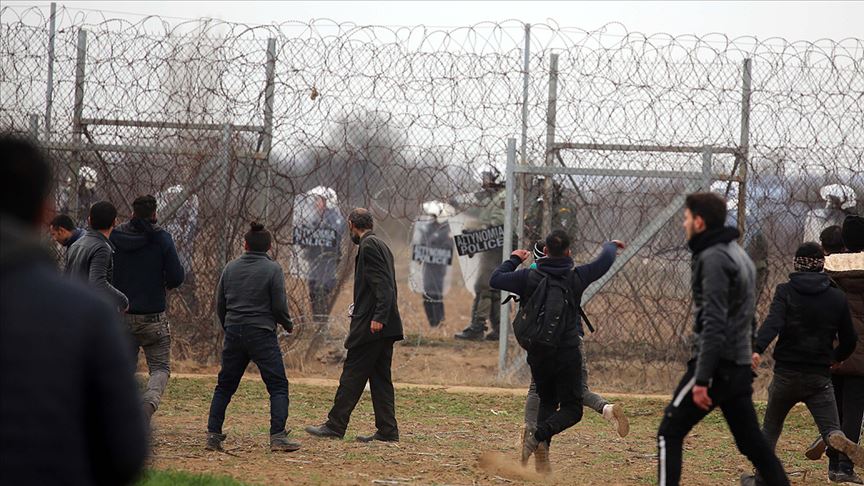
column 145, row 265
column 718, row 374
column 808, row 314
column 69, row 412
column 556, row 371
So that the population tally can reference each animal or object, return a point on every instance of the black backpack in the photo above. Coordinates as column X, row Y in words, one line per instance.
column 543, row 317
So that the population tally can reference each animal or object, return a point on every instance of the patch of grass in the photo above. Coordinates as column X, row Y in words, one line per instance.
column 179, row 478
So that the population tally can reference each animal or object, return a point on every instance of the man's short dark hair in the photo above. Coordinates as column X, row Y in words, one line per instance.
column 25, row 179
column 832, row 239
column 63, row 221
column 258, row 238
column 102, row 215
column 361, row 219
column 709, row 206
column 557, row 243
column 144, row 207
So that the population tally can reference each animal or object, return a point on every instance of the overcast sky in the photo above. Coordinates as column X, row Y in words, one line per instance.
column 791, row 20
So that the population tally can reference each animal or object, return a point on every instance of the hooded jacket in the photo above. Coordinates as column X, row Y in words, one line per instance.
column 724, row 302
column 808, row 313
column 91, row 259
column 847, row 270
column 65, row 370
column 507, row 278
column 145, row 265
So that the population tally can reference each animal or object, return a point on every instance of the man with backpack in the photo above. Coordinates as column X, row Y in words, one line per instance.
column 718, row 374
column 548, row 325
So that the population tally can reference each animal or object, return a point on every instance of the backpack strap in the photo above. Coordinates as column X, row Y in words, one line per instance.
column 579, row 306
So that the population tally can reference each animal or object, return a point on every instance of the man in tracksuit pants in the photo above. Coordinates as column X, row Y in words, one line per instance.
column 250, row 301
column 808, row 314
column 557, row 374
column 718, row 374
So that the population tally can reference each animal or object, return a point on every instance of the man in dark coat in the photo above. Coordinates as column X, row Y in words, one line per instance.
column 718, row 373
column 69, row 412
column 375, row 327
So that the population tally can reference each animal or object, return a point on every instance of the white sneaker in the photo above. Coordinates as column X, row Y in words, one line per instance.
column 614, row 414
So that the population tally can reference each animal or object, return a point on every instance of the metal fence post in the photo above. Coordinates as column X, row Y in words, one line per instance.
column 707, row 170
column 267, row 141
column 49, row 89
column 504, row 331
column 522, row 179
column 224, row 163
column 551, row 114
column 77, row 110
column 744, row 157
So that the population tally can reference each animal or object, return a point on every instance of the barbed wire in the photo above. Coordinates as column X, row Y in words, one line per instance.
column 247, row 119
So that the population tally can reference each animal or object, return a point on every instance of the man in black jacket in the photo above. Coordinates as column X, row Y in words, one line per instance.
column 91, row 258
column 808, row 314
column 556, row 371
column 375, row 327
column 718, row 374
column 69, row 412
column 145, row 265
column 250, row 301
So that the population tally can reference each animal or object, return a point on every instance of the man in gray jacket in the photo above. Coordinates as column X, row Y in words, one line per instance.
column 91, row 258
column 718, row 374
column 250, row 301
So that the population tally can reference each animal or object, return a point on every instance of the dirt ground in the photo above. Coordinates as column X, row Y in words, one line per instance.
column 449, row 435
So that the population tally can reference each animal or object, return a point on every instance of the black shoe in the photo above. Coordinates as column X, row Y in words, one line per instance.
column 470, row 334
column 323, row 431
column 493, row 336
column 280, row 443
column 844, row 477
column 214, row 442
column 751, row 480
column 816, row 449
column 379, row 437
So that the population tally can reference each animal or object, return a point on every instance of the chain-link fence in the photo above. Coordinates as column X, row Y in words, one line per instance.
column 295, row 123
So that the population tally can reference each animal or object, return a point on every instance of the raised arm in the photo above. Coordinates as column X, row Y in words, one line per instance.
column 506, row 277
column 595, row 269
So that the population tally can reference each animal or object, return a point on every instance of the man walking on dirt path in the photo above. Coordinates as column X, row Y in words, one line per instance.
column 719, row 373
column 250, row 301
column 145, row 266
column 70, row 410
column 555, row 369
column 808, row 314
column 375, row 327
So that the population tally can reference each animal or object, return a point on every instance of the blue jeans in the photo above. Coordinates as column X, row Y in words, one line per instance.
column 244, row 344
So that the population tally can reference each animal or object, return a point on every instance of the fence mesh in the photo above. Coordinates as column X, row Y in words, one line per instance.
column 228, row 123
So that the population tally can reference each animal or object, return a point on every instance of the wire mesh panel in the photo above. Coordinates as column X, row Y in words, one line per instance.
column 228, row 123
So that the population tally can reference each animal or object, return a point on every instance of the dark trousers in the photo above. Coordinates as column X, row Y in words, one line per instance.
column 368, row 362
column 242, row 344
column 557, row 375
column 434, row 308
column 731, row 390
column 790, row 387
column 153, row 333
column 320, row 295
column 849, row 394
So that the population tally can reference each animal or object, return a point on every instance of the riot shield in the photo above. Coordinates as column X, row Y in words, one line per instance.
column 317, row 232
column 432, row 256
column 478, row 247
column 182, row 225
